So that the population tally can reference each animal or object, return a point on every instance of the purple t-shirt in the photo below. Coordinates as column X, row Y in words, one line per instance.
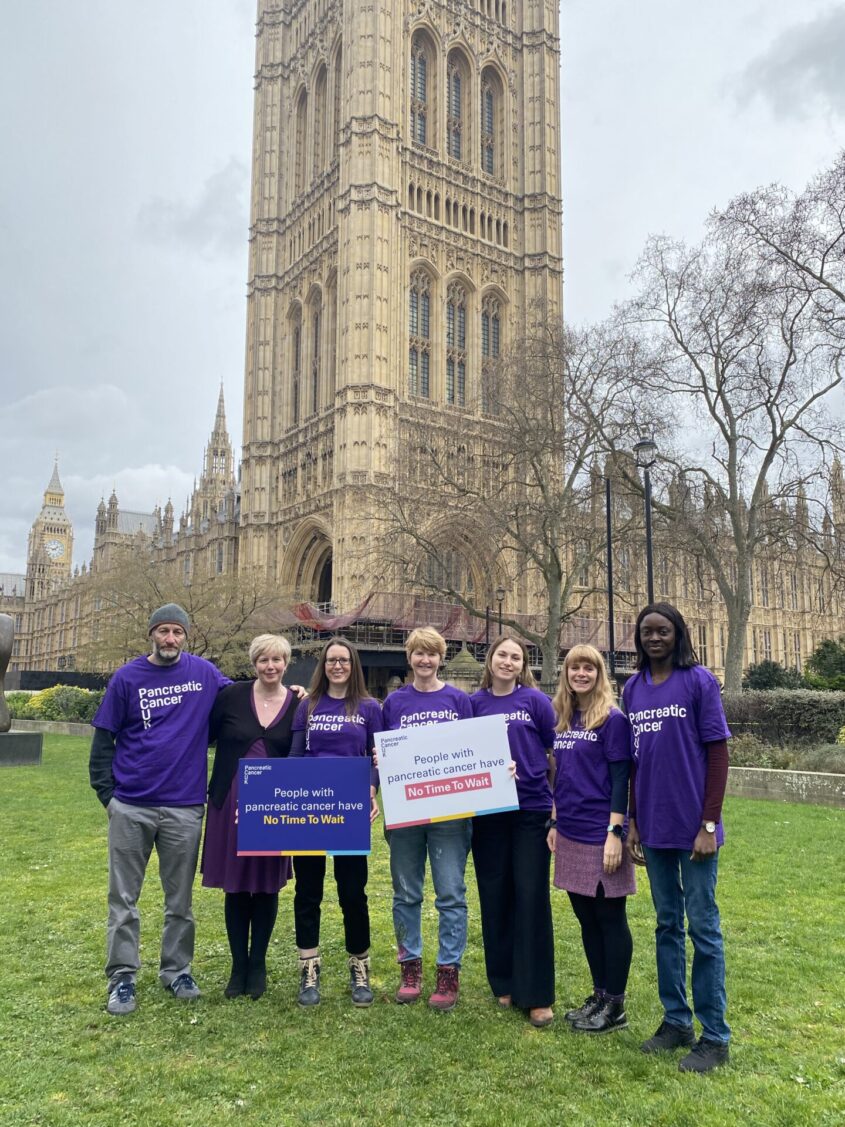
column 330, row 731
column 407, row 707
column 583, row 783
column 671, row 722
column 159, row 717
column 531, row 731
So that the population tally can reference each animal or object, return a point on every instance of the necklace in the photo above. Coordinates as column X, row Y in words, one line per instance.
column 268, row 702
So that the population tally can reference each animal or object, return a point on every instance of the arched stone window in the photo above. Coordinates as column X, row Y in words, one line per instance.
column 457, row 101
column 295, row 364
column 456, row 344
column 316, row 355
column 491, row 123
column 320, row 122
column 338, row 101
column 419, row 335
column 300, row 142
column 491, row 339
column 420, row 71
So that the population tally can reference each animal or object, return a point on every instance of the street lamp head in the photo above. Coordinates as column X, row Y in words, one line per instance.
column 645, row 452
column 500, row 594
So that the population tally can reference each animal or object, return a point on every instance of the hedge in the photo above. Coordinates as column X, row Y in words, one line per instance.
column 59, row 702
column 785, row 717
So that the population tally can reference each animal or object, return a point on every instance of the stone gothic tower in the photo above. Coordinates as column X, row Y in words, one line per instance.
column 405, row 228
column 50, row 548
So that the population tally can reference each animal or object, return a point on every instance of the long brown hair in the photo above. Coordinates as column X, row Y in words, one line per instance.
column 356, row 686
column 600, row 701
column 525, row 677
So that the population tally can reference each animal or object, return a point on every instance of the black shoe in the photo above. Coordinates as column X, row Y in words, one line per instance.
column 705, row 1056
column 309, row 981
column 591, row 1004
column 256, row 980
column 669, row 1037
column 604, row 1020
column 236, row 984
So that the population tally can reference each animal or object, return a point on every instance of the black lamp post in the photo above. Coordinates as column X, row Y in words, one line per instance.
column 500, row 598
column 645, row 452
column 611, row 629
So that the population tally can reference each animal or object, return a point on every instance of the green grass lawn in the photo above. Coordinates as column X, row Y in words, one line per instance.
column 64, row 1061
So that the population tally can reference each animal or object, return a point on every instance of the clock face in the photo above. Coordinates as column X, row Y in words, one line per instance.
column 55, row 549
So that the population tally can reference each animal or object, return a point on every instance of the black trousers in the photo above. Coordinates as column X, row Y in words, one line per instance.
column 606, row 937
column 350, row 874
column 512, row 862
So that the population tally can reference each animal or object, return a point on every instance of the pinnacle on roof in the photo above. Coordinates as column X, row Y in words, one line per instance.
column 55, row 485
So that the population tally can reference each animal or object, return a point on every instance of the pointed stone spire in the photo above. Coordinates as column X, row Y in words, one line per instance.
column 55, row 485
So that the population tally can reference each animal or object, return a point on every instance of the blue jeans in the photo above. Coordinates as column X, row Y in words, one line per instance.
column 447, row 846
column 679, row 885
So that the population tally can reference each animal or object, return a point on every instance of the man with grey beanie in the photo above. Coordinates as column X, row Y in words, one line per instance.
column 148, row 766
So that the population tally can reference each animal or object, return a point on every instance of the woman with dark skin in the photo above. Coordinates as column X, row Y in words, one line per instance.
column 678, row 784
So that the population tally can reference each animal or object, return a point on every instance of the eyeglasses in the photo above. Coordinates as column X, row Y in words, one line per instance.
column 338, row 661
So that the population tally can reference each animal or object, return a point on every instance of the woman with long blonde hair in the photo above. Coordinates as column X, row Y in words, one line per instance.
column 592, row 767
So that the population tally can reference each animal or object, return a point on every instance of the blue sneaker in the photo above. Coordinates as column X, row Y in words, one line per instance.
column 122, row 998
column 184, row 987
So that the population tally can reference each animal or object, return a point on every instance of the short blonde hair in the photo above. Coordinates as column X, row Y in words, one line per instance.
column 266, row 644
column 427, row 639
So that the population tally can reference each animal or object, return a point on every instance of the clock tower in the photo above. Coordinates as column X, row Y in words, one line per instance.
column 50, row 542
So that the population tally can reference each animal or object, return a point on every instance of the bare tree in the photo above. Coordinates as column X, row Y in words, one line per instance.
column 514, row 498
column 225, row 611
column 744, row 361
column 803, row 232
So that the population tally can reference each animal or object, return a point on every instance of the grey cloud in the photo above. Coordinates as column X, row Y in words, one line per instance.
column 214, row 225
column 801, row 72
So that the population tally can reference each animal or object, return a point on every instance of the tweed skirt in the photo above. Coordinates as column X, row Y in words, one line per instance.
column 578, row 868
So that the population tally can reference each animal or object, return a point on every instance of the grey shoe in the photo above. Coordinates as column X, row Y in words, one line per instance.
column 122, row 997
column 309, row 981
column 359, row 975
column 669, row 1037
column 184, row 987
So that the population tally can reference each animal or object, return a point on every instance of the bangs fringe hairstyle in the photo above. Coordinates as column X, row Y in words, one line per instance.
column 525, row 677
column 356, row 686
column 600, row 701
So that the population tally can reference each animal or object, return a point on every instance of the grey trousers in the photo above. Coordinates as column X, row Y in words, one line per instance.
column 133, row 831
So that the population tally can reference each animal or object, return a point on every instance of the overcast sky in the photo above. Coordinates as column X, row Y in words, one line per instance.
column 126, row 133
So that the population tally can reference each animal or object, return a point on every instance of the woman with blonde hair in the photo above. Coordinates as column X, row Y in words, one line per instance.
column 250, row 719
column 509, row 847
column 592, row 767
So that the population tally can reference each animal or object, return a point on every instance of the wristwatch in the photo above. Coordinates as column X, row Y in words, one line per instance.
column 710, row 827
column 551, row 824
column 615, row 830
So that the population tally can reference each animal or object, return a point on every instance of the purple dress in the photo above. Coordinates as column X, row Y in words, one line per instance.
column 221, row 865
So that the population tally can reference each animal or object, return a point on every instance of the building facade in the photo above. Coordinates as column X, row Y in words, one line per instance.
column 406, row 226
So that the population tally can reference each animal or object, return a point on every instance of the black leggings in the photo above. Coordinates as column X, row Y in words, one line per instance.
column 606, row 937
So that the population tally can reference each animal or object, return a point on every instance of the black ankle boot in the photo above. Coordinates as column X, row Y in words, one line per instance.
column 256, row 979
column 237, row 982
column 611, row 1016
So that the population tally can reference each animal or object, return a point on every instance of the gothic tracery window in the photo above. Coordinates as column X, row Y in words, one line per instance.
column 488, row 140
column 457, row 90
column 456, row 344
column 419, row 91
column 491, row 335
column 419, row 334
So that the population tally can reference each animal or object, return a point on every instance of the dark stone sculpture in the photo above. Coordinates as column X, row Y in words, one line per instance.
column 16, row 748
column 7, row 633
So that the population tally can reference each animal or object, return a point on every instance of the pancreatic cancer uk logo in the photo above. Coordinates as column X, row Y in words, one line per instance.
column 651, row 720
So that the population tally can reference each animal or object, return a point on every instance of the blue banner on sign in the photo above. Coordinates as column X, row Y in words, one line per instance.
column 296, row 806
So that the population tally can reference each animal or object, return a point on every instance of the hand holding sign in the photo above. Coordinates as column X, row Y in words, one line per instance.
column 459, row 769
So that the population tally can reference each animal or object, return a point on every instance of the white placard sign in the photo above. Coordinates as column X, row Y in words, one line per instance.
column 438, row 772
